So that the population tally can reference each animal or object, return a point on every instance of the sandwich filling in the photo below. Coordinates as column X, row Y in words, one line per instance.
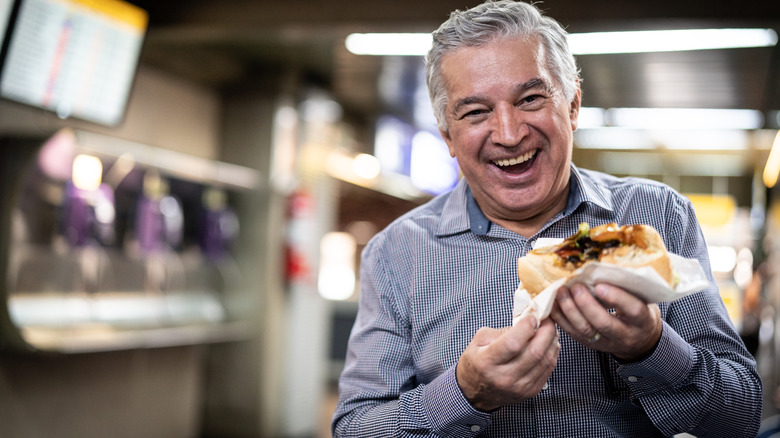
column 589, row 245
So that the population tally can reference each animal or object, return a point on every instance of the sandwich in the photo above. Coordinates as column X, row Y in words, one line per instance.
column 630, row 246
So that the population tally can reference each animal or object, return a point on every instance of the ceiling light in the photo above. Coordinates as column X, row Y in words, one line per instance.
column 684, row 118
column 677, row 139
column 418, row 44
column 669, row 40
column 388, row 44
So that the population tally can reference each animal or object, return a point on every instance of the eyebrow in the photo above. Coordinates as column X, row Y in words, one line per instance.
column 536, row 82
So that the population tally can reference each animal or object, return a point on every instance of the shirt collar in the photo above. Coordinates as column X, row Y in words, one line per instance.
column 584, row 188
column 478, row 223
column 461, row 212
column 454, row 214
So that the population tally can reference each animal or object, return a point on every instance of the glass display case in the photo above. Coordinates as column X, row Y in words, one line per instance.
column 109, row 244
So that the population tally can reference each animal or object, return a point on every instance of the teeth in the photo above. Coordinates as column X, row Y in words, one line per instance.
column 516, row 160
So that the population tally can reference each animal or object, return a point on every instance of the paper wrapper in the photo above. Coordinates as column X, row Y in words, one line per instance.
column 642, row 282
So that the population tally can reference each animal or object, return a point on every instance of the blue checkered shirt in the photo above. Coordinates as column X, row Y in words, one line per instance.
column 437, row 274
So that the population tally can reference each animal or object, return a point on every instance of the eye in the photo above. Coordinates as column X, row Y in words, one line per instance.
column 474, row 113
column 532, row 101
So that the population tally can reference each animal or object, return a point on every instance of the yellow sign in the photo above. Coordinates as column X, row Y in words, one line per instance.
column 118, row 10
column 713, row 210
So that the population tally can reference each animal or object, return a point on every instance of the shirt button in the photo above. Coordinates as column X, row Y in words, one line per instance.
column 633, row 379
column 475, row 428
column 546, row 385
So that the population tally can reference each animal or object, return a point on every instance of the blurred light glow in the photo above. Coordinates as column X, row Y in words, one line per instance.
column 432, row 169
column 702, row 139
column 743, row 272
column 418, row 44
column 389, row 44
column 388, row 144
column 87, row 172
column 590, row 117
column 669, row 40
column 320, row 109
column 684, row 118
column 56, row 154
column 613, row 138
column 366, row 166
column 105, row 212
column 722, row 258
column 336, row 279
column 772, row 167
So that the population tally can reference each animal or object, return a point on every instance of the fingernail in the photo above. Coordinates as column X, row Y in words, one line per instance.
column 536, row 320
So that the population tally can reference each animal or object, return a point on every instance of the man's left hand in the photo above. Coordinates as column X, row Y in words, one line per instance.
column 630, row 333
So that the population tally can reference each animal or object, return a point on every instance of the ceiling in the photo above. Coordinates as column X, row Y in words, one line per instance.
column 221, row 44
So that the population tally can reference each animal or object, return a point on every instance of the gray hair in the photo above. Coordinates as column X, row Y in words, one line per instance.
column 487, row 22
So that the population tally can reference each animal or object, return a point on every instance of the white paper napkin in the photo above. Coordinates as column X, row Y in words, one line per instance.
column 642, row 282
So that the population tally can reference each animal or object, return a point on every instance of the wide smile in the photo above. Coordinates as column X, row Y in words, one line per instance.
column 528, row 156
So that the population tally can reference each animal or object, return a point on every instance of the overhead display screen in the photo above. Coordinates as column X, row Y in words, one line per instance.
column 5, row 13
column 77, row 58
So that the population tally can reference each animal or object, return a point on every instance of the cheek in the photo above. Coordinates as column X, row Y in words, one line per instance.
column 464, row 142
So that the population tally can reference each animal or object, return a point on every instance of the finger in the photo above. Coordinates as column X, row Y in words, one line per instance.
column 538, row 356
column 626, row 304
column 486, row 335
column 571, row 302
column 557, row 315
column 535, row 364
column 630, row 311
column 593, row 309
column 510, row 341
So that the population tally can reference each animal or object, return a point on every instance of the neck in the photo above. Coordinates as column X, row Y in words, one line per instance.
column 529, row 226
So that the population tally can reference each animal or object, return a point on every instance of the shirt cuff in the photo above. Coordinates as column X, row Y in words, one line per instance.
column 448, row 411
column 668, row 365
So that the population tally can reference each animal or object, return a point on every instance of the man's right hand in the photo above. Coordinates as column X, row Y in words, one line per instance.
column 507, row 366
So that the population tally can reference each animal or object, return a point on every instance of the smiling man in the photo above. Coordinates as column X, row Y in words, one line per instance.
column 510, row 126
column 433, row 351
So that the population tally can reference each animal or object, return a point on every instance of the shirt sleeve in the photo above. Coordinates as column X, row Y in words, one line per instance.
column 700, row 379
column 379, row 394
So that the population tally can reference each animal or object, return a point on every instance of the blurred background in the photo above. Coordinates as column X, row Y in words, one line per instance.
column 186, row 187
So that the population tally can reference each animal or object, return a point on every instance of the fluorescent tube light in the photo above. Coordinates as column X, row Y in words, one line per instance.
column 418, row 44
column 684, row 118
column 669, row 40
column 677, row 139
column 388, row 44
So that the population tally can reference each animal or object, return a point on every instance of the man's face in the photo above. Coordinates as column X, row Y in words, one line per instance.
column 510, row 127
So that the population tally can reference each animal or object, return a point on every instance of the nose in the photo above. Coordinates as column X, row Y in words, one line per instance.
column 509, row 127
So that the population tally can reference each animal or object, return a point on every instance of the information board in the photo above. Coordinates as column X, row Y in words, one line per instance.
column 77, row 58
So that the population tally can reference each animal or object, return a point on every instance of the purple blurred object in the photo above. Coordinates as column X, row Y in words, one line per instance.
column 159, row 223
column 219, row 226
column 88, row 215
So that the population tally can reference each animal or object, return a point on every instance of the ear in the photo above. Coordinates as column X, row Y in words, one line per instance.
column 448, row 139
column 574, row 107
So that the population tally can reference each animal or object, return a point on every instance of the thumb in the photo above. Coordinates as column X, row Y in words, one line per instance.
column 486, row 335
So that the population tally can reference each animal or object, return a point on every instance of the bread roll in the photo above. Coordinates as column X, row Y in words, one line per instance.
column 632, row 246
